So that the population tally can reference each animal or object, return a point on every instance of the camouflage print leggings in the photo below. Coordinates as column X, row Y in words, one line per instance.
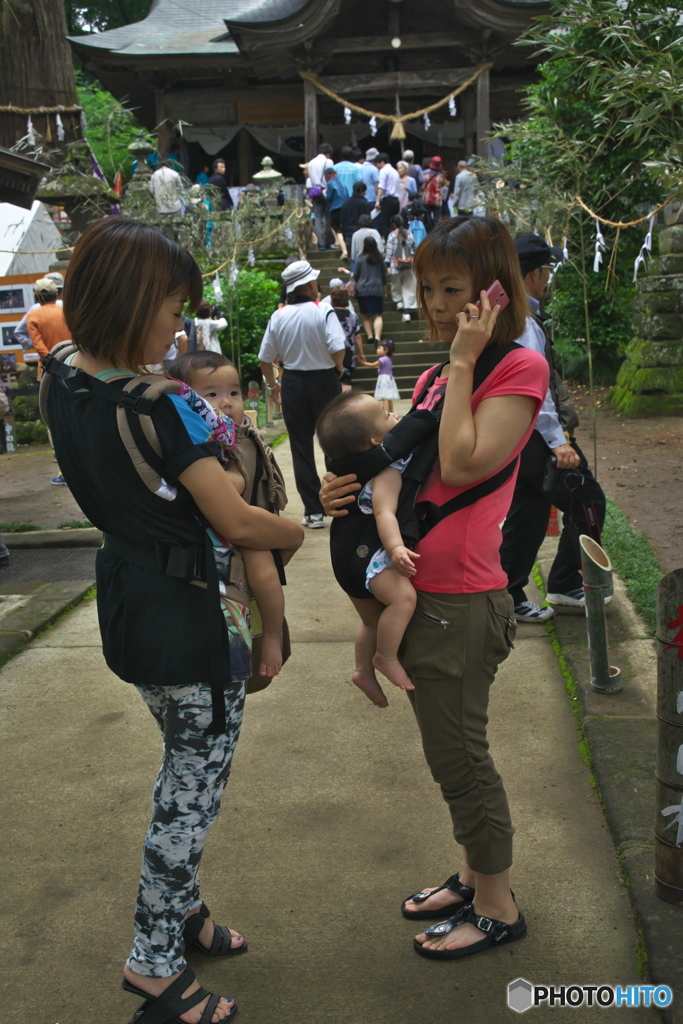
column 185, row 802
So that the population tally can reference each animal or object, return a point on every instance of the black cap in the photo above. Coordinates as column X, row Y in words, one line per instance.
column 534, row 252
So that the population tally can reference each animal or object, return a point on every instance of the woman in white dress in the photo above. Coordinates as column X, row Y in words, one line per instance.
column 208, row 328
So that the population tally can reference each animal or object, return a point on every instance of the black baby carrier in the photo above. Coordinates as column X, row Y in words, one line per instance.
column 354, row 538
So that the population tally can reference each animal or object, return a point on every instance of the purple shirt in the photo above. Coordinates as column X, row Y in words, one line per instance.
column 385, row 366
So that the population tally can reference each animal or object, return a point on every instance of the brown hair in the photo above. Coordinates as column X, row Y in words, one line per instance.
column 483, row 247
column 203, row 311
column 342, row 428
column 339, row 296
column 120, row 273
column 186, row 366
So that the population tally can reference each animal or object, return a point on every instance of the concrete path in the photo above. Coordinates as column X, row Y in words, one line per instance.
column 330, row 819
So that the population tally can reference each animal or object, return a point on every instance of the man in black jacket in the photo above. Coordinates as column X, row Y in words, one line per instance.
column 218, row 181
column 353, row 208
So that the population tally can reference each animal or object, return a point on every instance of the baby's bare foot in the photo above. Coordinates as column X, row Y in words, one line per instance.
column 393, row 670
column 271, row 656
column 154, row 987
column 367, row 682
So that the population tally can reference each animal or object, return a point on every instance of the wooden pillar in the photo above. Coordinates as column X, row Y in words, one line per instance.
column 163, row 125
column 483, row 114
column 244, row 156
column 468, row 118
column 310, row 119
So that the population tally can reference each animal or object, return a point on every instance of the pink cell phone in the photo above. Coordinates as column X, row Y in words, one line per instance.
column 497, row 296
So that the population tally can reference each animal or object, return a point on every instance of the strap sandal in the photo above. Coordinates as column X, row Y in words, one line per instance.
column 221, row 944
column 496, row 933
column 455, row 885
column 167, row 1008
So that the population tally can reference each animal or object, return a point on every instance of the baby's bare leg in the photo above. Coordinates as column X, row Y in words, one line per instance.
column 264, row 584
column 398, row 595
column 364, row 677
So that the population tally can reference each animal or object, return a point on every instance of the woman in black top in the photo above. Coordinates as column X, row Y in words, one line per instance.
column 370, row 275
column 124, row 299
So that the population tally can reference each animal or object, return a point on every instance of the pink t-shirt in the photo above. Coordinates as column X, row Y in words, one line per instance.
column 462, row 554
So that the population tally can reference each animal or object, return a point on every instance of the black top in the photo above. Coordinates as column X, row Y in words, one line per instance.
column 218, row 181
column 351, row 210
column 154, row 627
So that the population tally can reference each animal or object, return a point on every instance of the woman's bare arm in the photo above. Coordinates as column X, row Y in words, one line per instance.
column 241, row 524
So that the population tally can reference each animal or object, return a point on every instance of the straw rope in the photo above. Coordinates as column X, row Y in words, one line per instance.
column 398, row 131
column 75, row 109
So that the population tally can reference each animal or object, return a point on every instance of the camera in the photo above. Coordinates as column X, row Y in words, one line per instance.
column 562, row 481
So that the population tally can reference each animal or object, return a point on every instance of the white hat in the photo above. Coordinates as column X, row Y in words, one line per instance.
column 370, row 154
column 45, row 286
column 337, row 282
column 297, row 273
column 55, row 276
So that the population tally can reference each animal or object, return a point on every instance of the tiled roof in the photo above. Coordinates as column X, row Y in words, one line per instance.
column 175, row 26
column 263, row 12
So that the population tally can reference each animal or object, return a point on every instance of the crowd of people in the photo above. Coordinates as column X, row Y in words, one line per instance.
column 416, row 505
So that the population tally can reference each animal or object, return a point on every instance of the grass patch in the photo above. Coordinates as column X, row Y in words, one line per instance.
column 19, row 527
column 634, row 561
column 279, row 439
column 75, row 524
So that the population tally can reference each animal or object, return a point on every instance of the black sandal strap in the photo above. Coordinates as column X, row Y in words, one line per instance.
column 222, row 940
column 437, row 931
column 497, row 930
column 453, row 883
column 170, row 1003
column 210, row 1010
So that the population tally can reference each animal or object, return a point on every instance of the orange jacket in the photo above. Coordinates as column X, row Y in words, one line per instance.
column 46, row 328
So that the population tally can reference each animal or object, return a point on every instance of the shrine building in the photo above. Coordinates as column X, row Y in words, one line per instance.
column 222, row 77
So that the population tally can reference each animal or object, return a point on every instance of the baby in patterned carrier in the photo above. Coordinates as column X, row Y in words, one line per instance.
column 215, row 380
column 353, row 423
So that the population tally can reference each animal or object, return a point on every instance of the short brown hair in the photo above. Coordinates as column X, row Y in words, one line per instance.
column 120, row 273
column 186, row 366
column 339, row 296
column 484, row 248
column 342, row 429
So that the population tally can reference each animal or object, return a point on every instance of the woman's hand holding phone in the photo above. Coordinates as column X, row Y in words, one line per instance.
column 475, row 327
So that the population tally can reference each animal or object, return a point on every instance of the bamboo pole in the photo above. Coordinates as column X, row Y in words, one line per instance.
column 669, row 772
column 597, row 585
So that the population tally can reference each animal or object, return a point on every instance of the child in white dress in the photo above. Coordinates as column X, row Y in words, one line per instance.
column 386, row 391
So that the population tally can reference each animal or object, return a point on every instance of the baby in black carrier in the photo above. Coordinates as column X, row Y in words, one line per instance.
column 214, row 378
column 384, row 597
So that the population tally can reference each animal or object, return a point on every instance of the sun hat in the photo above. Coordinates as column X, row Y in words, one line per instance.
column 337, row 282
column 436, row 163
column 299, row 272
column 371, row 153
column 55, row 276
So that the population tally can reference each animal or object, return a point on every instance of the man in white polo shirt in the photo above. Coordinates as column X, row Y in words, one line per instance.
column 388, row 191
column 309, row 342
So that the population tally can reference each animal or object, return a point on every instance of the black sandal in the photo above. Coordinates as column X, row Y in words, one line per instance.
column 167, row 1008
column 497, row 933
column 222, row 939
column 455, row 885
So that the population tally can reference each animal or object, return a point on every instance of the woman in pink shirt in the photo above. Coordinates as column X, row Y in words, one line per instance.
column 491, row 391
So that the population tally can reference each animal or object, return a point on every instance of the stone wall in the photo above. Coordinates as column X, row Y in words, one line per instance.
column 650, row 381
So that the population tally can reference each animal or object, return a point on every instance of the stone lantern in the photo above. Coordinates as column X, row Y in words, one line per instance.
column 139, row 150
column 268, row 176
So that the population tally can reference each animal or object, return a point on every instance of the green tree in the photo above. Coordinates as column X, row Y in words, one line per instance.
column 100, row 15
column 249, row 301
column 605, row 122
column 111, row 126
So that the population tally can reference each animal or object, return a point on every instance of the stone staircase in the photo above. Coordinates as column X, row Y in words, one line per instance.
column 413, row 353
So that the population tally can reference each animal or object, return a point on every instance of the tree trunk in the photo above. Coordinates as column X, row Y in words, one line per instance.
column 36, row 68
